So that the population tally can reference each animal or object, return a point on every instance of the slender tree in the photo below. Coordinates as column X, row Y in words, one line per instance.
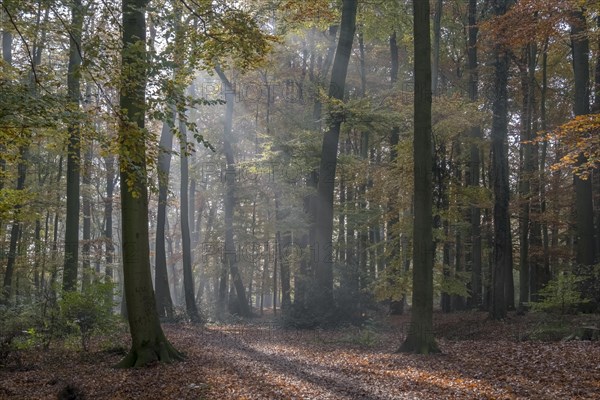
column 164, row 303
column 186, row 244
column 474, row 158
column 328, row 164
column 230, row 176
column 74, row 151
column 502, row 248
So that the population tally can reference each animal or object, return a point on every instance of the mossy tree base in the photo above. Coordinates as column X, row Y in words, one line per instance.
column 159, row 351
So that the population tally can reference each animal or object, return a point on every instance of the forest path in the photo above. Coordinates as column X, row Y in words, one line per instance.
column 261, row 361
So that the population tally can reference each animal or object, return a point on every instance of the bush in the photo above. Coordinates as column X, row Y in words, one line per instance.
column 89, row 311
column 561, row 295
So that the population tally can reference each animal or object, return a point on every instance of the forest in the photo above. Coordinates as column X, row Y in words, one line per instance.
column 300, row 199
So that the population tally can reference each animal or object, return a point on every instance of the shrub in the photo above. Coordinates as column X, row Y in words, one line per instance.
column 90, row 310
column 561, row 295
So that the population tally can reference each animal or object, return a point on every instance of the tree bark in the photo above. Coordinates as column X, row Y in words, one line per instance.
column 164, row 302
column 230, row 177
column 73, row 157
column 149, row 343
column 474, row 164
column 437, row 33
column 86, row 208
column 186, row 243
column 584, row 208
column 500, row 184
column 420, row 337
column 525, row 180
column 396, row 306
column 328, row 164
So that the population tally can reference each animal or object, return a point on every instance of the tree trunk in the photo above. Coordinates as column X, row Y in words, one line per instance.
column 396, row 306
column 109, row 163
column 525, row 180
column 420, row 337
column 542, row 175
column 73, row 157
column 164, row 303
column 7, row 58
column 474, row 164
column 86, row 208
column 437, row 33
column 7, row 284
column 186, row 242
column 149, row 343
column 536, row 259
column 284, row 262
column 583, row 188
column 328, row 164
column 502, row 249
column 230, row 177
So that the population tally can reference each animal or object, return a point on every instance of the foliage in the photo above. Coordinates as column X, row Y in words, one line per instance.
column 13, row 330
column 90, row 310
column 456, row 284
column 392, row 284
column 561, row 295
column 580, row 140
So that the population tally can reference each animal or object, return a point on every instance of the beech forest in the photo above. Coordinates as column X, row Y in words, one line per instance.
column 300, row 199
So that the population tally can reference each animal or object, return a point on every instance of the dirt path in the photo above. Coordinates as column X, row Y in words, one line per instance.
column 260, row 362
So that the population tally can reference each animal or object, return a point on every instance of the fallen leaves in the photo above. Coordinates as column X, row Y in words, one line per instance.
column 257, row 361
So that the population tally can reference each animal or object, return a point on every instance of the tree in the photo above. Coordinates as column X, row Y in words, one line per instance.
column 474, row 158
column 328, row 164
column 420, row 336
column 583, row 186
column 74, row 152
column 186, row 245
column 502, row 248
column 149, row 343
column 164, row 303
column 230, row 257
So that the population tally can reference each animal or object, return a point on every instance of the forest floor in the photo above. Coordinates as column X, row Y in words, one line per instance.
column 481, row 360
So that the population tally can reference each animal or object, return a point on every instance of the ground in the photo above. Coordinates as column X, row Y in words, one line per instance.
column 481, row 360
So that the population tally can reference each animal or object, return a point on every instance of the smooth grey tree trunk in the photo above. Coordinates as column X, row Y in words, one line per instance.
column 164, row 302
column 184, row 214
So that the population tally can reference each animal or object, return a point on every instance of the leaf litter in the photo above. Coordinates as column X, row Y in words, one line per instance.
column 261, row 361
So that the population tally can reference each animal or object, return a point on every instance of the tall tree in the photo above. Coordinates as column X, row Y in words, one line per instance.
column 474, row 158
column 184, row 213
column 328, row 164
column 149, row 343
column 420, row 337
column 74, row 151
column 230, row 177
column 502, row 248
column 584, row 208
column 109, row 165
column 396, row 306
column 164, row 303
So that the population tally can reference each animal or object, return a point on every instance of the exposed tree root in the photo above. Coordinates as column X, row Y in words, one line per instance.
column 141, row 356
column 419, row 345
